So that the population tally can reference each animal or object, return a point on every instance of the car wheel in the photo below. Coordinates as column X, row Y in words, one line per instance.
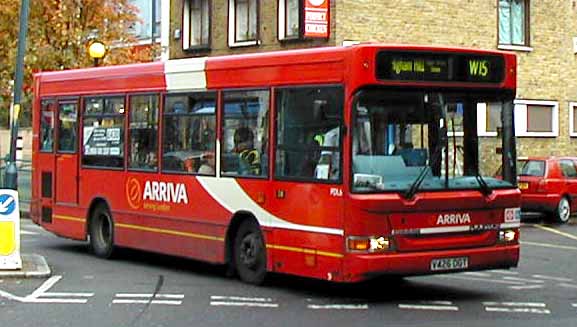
column 250, row 253
column 563, row 211
column 101, row 232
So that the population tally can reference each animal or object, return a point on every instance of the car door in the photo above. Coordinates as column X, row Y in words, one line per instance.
column 569, row 172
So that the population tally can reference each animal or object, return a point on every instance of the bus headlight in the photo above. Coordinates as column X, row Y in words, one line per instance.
column 370, row 244
column 508, row 235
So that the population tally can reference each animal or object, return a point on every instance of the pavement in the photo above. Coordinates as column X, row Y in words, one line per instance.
column 33, row 266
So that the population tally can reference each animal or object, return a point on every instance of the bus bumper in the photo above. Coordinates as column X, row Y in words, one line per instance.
column 366, row 266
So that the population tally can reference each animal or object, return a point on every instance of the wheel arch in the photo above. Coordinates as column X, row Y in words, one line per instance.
column 93, row 204
column 237, row 219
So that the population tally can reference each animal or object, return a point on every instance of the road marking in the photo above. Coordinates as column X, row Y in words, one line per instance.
column 567, row 285
column 558, row 232
column 431, row 305
column 476, row 273
column 527, row 287
column 338, row 306
column 482, row 280
column 517, row 307
column 146, row 298
column 504, row 272
column 553, row 246
column 23, row 232
column 240, row 301
column 558, row 279
column 574, row 305
column 524, row 280
column 40, row 292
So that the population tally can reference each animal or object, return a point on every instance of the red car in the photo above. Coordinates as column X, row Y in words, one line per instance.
column 548, row 185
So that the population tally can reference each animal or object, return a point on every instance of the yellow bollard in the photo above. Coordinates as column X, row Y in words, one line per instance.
column 7, row 239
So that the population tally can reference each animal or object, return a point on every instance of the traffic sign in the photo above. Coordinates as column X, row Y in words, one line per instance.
column 9, row 230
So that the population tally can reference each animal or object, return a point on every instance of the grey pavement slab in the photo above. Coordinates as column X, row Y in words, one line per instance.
column 33, row 266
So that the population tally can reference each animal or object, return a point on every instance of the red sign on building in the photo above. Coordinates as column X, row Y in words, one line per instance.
column 317, row 18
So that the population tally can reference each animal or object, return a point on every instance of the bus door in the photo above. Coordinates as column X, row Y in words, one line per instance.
column 44, row 160
column 66, row 176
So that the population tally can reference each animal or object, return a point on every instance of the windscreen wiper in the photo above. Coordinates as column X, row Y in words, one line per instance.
column 422, row 174
column 485, row 189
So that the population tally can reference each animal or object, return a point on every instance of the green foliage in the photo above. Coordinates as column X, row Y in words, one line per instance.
column 58, row 35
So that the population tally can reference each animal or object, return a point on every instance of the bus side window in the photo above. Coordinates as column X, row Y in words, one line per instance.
column 143, row 132
column 245, row 133
column 309, row 123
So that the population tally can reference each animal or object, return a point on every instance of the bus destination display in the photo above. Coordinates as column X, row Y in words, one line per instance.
column 416, row 66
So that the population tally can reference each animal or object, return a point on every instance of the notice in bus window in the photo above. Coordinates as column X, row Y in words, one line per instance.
column 103, row 141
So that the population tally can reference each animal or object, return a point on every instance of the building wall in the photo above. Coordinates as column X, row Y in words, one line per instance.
column 546, row 72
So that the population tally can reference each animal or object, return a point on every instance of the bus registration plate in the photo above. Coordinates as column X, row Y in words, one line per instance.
column 449, row 263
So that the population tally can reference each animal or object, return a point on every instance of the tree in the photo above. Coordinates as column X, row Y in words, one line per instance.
column 58, row 35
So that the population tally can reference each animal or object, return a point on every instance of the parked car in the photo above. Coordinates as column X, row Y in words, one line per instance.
column 548, row 185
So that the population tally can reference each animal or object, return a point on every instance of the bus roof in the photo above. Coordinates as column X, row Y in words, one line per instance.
column 326, row 65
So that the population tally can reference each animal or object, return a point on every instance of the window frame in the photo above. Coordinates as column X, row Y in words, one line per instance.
column 232, row 19
column 572, row 126
column 129, row 134
column 187, row 26
column 526, row 46
column 206, row 94
column 265, row 173
column 282, row 28
column 521, row 119
column 275, row 143
column 103, row 114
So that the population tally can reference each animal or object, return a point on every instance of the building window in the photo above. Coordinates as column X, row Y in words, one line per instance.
column 189, row 138
column 289, row 19
column 514, row 22
column 243, row 22
column 196, row 24
column 143, row 132
column 532, row 118
column 245, row 133
column 103, row 132
column 146, row 26
column 573, row 118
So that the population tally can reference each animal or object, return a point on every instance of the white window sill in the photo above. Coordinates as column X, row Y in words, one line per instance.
column 535, row 134
column 511, row 47
column 243, row 44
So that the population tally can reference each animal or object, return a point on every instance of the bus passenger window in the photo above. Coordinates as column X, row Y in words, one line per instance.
column 245, row 133
column 143, row 132
column 103, row 132
column 47, row 126
column 189, row 138
column 309, row 133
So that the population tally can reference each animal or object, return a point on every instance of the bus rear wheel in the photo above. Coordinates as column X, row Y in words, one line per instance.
column 101, row 232
column 250, row 253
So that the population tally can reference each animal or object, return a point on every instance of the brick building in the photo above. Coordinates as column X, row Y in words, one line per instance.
column 542, row 33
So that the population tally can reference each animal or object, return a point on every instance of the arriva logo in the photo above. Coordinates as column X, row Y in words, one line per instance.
column 165, row 192
column 454, row 218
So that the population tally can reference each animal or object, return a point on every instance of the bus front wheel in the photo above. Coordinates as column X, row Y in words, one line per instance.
column 101, row 231
column 250, row 253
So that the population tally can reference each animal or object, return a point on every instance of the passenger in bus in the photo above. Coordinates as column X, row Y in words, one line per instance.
column 207, row 167
column 249, row 157
column 328, row 165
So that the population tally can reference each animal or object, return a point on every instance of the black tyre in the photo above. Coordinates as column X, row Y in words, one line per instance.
column 563, row 211
column 101, row 232
column 249, row 253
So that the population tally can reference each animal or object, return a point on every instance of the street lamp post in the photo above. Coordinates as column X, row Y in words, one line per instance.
column 96, row 50
column 11, row 181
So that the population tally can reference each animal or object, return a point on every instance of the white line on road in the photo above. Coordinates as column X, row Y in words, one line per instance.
column 64, row 294
column 517, row 304
column 23, row 232
column 428, row 307
column 518, row 310
column 156, row 296
column 338, row 306
column 45, row 286
column 476, row 273
column 525, row 287
column 524, row 280
column 567, row 285
column 574, row 305
column 558, row 279
column 552, row 246
column 240, row 298
column 243, row 304
column 558, row 232
column 481, row 279
column 167, row 302
column 504, row 272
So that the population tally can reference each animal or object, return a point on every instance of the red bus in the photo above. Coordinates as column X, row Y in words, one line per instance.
column 339, row 163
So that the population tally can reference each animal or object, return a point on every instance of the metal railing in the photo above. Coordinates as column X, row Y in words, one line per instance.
column 24, row 181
